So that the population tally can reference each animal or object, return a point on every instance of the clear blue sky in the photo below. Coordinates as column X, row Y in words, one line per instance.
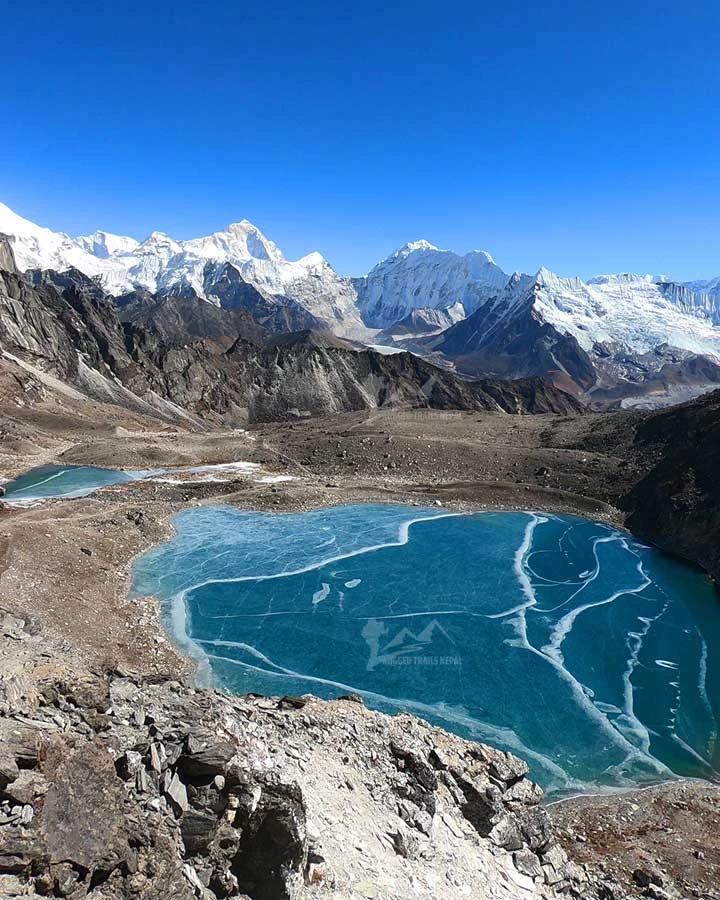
column 584, row 136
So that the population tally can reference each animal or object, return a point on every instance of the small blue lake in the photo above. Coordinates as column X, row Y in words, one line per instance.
column 66, row 482
column 566, row 641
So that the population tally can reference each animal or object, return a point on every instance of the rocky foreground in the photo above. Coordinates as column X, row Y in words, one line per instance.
column 115, row 787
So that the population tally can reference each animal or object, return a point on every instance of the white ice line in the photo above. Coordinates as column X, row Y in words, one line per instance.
column 403, row 537
column 500, row 735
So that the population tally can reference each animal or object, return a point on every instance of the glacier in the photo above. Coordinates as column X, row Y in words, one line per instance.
column 620, row 312
column 160, row 264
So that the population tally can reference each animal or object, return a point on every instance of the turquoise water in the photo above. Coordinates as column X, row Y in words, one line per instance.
column 568, row 642
column 65, row 482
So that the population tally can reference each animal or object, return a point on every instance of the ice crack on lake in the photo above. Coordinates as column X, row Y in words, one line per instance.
column 561, row 639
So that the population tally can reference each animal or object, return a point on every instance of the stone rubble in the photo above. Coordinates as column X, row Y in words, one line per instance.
column 113, row 787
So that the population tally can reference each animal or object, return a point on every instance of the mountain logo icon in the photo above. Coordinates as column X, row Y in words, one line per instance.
column 386, row 648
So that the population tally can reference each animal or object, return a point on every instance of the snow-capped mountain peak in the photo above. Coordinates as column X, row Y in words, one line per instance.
column 624, row 310
column 419, row 275
column 103, row 244
column 37, row 247
column 14, row 225
column 413, row 247
column 545, row 278
column 240, row 242
column 162, row 264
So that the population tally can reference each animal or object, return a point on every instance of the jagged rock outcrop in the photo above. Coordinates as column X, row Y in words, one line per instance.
column 64, row 326
column 116, row 788
column 223, row 283
column 7, row 259
column 299, row 376
column 177, row 320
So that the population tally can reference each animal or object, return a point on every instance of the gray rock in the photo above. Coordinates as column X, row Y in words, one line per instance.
column 274, row 844
column 439, row 758
column 26, row 816
column 523, row 793
column 198, row 829
column 527, row 863
column 536, row 828
column 645, row 877
column 7, row 257
column 9, row 770
column 508, row 768
column 201, row 760
column 658, row 893
column 158, row 757
column 23, row 744
column 406, row 843
column 71, row 804
column 66, row 879
column 176, row 793
column 554, row 864
column 506, row 834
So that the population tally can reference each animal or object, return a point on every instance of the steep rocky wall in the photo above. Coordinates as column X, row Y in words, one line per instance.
column 7, row 258
column 676, row 505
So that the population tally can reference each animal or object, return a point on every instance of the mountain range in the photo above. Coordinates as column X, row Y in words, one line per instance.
column 621, row 338
column 182, row 360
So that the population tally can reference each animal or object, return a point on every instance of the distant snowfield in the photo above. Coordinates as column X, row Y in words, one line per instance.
column 633, row 311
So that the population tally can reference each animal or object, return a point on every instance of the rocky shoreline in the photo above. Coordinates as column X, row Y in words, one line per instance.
column 116, row 786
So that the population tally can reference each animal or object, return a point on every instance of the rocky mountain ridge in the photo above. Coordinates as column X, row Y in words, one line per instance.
column 676, row 505
column 624, row 335
column 150, row 358
column 162, row 264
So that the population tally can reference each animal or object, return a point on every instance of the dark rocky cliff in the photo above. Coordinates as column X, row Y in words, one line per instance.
column 181, row 355
column 676, row 504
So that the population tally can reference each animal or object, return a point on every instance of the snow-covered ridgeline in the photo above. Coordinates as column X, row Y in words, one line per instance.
column 622, row 310
column 160, row 263
column 419, row 276
column 639, row 312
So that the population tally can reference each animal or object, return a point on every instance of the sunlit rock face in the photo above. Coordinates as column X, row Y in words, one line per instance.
column 560, row 639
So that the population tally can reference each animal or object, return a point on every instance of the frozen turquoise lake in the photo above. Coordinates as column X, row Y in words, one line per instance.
column 566, row 641
column 66, row 482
